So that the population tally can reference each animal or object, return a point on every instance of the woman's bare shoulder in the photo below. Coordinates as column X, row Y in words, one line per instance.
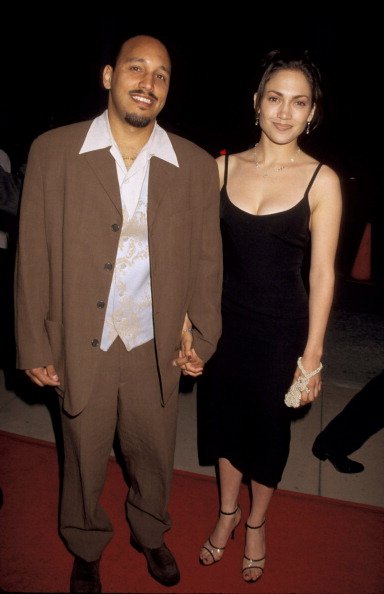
column 235, row 162
column 234, row 159
column 221, row 165
column 327, row 178
column 326, row 189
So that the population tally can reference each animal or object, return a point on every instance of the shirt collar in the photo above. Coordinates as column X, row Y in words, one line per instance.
column 99, row 136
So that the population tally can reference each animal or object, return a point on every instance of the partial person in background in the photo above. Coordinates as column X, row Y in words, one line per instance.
column 5, row 161
column 119, row 240
column 275, row 201
column 361, row 418
column 9, row 198
column 10, row 189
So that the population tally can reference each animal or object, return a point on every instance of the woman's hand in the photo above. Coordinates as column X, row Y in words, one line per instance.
column 188, row 360
column 314, row 383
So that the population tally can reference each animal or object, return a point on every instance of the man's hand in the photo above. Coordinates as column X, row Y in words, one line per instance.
column 189, row 362
column 43, row 376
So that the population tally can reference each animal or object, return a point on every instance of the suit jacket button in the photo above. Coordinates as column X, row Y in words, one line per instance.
column 115, row 227
column 95, row 342
column 100, row 304
column 108, row 266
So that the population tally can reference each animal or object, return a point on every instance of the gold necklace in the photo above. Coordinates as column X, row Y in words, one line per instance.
column 274, row 169
column 127, row 158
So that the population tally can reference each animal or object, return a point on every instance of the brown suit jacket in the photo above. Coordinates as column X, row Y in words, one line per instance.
column 70, row 220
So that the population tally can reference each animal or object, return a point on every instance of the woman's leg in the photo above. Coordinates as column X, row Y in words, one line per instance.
column 229, row 516
column 254, row 553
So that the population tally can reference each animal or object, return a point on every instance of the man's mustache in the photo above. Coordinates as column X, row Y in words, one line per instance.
column 147, row 93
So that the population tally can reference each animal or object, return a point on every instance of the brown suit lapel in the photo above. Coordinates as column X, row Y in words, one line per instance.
column 104, row 167
column 161, row 176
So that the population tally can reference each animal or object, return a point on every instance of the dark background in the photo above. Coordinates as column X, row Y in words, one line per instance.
column 52, row 61
column 51, row 66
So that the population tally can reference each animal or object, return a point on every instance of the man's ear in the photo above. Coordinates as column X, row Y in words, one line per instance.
column 107, row 76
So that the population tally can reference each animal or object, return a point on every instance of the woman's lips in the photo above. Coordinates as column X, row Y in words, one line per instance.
column 282, row 127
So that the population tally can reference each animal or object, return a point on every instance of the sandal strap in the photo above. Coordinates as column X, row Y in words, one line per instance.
column 253, row 561
column 211, row 553
column 253, row 567
column 213, row 549
column 218, row 549
column 255, row 527
column 229, row 513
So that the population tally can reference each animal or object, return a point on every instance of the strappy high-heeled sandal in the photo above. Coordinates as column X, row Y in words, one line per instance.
column 252, row 563
column 216, row 553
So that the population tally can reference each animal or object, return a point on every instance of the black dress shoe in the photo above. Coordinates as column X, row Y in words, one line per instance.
column 161, row 564
column 340, row 462
column 85, row 576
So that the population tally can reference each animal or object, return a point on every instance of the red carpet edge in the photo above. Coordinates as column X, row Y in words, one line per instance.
column 314, row 544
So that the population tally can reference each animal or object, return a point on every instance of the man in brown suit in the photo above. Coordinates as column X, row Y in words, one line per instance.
column 119, row 249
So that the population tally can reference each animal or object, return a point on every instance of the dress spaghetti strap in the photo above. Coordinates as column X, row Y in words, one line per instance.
column 313, row 178
column 225, row 170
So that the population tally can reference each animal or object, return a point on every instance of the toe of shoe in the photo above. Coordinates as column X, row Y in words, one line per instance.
column 347, row 466
column 162, row 565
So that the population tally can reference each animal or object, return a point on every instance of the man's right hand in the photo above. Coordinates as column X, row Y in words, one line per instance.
column 43, row 376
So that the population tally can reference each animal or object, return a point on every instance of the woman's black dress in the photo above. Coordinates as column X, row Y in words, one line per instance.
column 241, row 410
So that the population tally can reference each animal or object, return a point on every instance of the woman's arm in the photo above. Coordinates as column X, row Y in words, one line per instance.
column 326, row 205
column 188, row 360
column 221, row 165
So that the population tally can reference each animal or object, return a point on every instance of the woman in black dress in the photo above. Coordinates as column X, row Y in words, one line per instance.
column 274, row 199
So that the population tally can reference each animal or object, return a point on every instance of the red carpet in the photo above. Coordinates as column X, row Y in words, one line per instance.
column 314, row 544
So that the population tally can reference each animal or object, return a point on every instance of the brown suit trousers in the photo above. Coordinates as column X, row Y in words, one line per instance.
column 126, row 397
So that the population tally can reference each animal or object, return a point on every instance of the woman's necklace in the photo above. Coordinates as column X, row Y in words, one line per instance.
column 266, row 172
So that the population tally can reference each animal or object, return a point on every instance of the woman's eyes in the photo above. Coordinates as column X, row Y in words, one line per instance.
column 299, row 102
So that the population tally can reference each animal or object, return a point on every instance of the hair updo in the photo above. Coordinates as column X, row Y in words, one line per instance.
column 277, row 60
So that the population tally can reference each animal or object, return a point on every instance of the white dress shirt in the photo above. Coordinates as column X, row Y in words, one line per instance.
column 129, row 309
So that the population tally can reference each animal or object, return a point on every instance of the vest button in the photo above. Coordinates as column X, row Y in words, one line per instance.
column 115, row 227
column 95, row 342
column 100, row 304
column 108, row 266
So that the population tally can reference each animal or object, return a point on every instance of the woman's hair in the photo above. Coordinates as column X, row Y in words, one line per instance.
column 277, row 60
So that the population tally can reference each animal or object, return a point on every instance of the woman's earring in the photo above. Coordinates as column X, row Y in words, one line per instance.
column 257, row 119
column 308, row 128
